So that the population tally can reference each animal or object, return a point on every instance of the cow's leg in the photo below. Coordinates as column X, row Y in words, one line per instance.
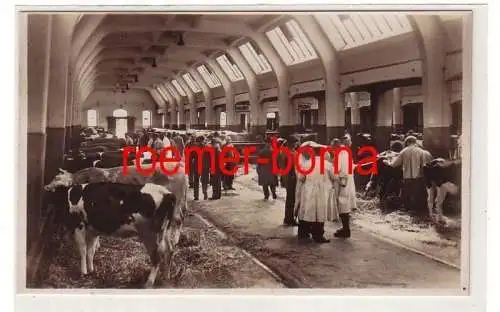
column 81, row 242
column 430, row 201
column 171, row 237
column 441, row 192
column 92, row 245
column 155, row 268
column 160, row 253
column 149, row 240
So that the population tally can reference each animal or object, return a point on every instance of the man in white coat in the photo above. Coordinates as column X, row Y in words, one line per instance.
column 345, row 189
column 314, row 194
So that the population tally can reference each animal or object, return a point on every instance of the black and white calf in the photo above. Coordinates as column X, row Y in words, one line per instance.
column 147, row 211
column 442, row 178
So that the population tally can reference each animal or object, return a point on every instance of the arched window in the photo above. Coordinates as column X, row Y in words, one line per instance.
column 120, row 113
column 91, row 118
column 146, row 119
column 223, row 119
column 163, row 120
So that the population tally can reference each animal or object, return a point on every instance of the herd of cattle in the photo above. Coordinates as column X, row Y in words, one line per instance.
column 93, row 197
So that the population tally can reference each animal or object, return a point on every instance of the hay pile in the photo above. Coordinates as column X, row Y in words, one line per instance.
column 369, row 210
column 203, row 260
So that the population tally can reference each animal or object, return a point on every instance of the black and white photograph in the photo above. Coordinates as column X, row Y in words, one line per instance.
column 321, row 149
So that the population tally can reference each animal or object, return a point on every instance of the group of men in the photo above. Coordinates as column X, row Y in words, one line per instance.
column 411, row 159
column 210, row 172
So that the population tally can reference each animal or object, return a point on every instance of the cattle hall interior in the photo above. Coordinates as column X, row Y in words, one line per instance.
column 375, row 76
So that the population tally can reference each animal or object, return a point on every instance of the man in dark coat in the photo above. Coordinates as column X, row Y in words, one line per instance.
column 267, row 179
column 227, row 179
column 290, row 184
column 216, row 177
column 189, row 143
column 200, row 174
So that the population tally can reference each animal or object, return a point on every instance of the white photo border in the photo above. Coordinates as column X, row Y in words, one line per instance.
column 308, row 299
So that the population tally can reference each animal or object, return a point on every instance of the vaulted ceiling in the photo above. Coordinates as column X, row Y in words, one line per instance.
column 122, row 51
column 142, row 50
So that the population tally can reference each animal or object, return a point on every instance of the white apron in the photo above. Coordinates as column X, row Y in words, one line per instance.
column 346, row 198
column 314, row 193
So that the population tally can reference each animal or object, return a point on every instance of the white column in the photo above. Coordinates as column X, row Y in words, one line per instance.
column 180, row 122
column 436, row 111
column 334, row 103
column 35, row 34
column 397, row 112
column 355, row 116
column 57, row 92
column 192, row 102
column 228, row 89
column 207, row 94
column 253, row 87
column 173, row 106
column 286, row 118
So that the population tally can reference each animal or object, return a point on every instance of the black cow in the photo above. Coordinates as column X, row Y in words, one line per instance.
column 77, row 160
column 113, row 159
column 123, row 210
column 442, row 178
column 388, row 180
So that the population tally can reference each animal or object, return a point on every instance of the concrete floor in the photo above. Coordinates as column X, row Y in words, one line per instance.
column 364, row 261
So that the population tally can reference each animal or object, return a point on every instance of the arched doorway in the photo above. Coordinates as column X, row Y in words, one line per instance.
column 121, row 127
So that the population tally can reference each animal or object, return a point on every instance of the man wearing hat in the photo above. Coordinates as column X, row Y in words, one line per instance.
column 412, row 159
column 216, row 176
column 227, row 179
column 200, row 174
column 266, row 177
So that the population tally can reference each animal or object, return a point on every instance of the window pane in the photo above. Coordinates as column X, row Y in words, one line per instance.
column 293, row 46
column 171, row 90
column 279, row 46
column 301, row 39
column 210, row 78
column 231, row 70
column 178, row 88
column 162, row 91
column 360, row 29
column 258, row 62
column 191, row 83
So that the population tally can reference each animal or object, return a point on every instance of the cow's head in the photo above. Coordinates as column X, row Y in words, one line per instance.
column 62, row 179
